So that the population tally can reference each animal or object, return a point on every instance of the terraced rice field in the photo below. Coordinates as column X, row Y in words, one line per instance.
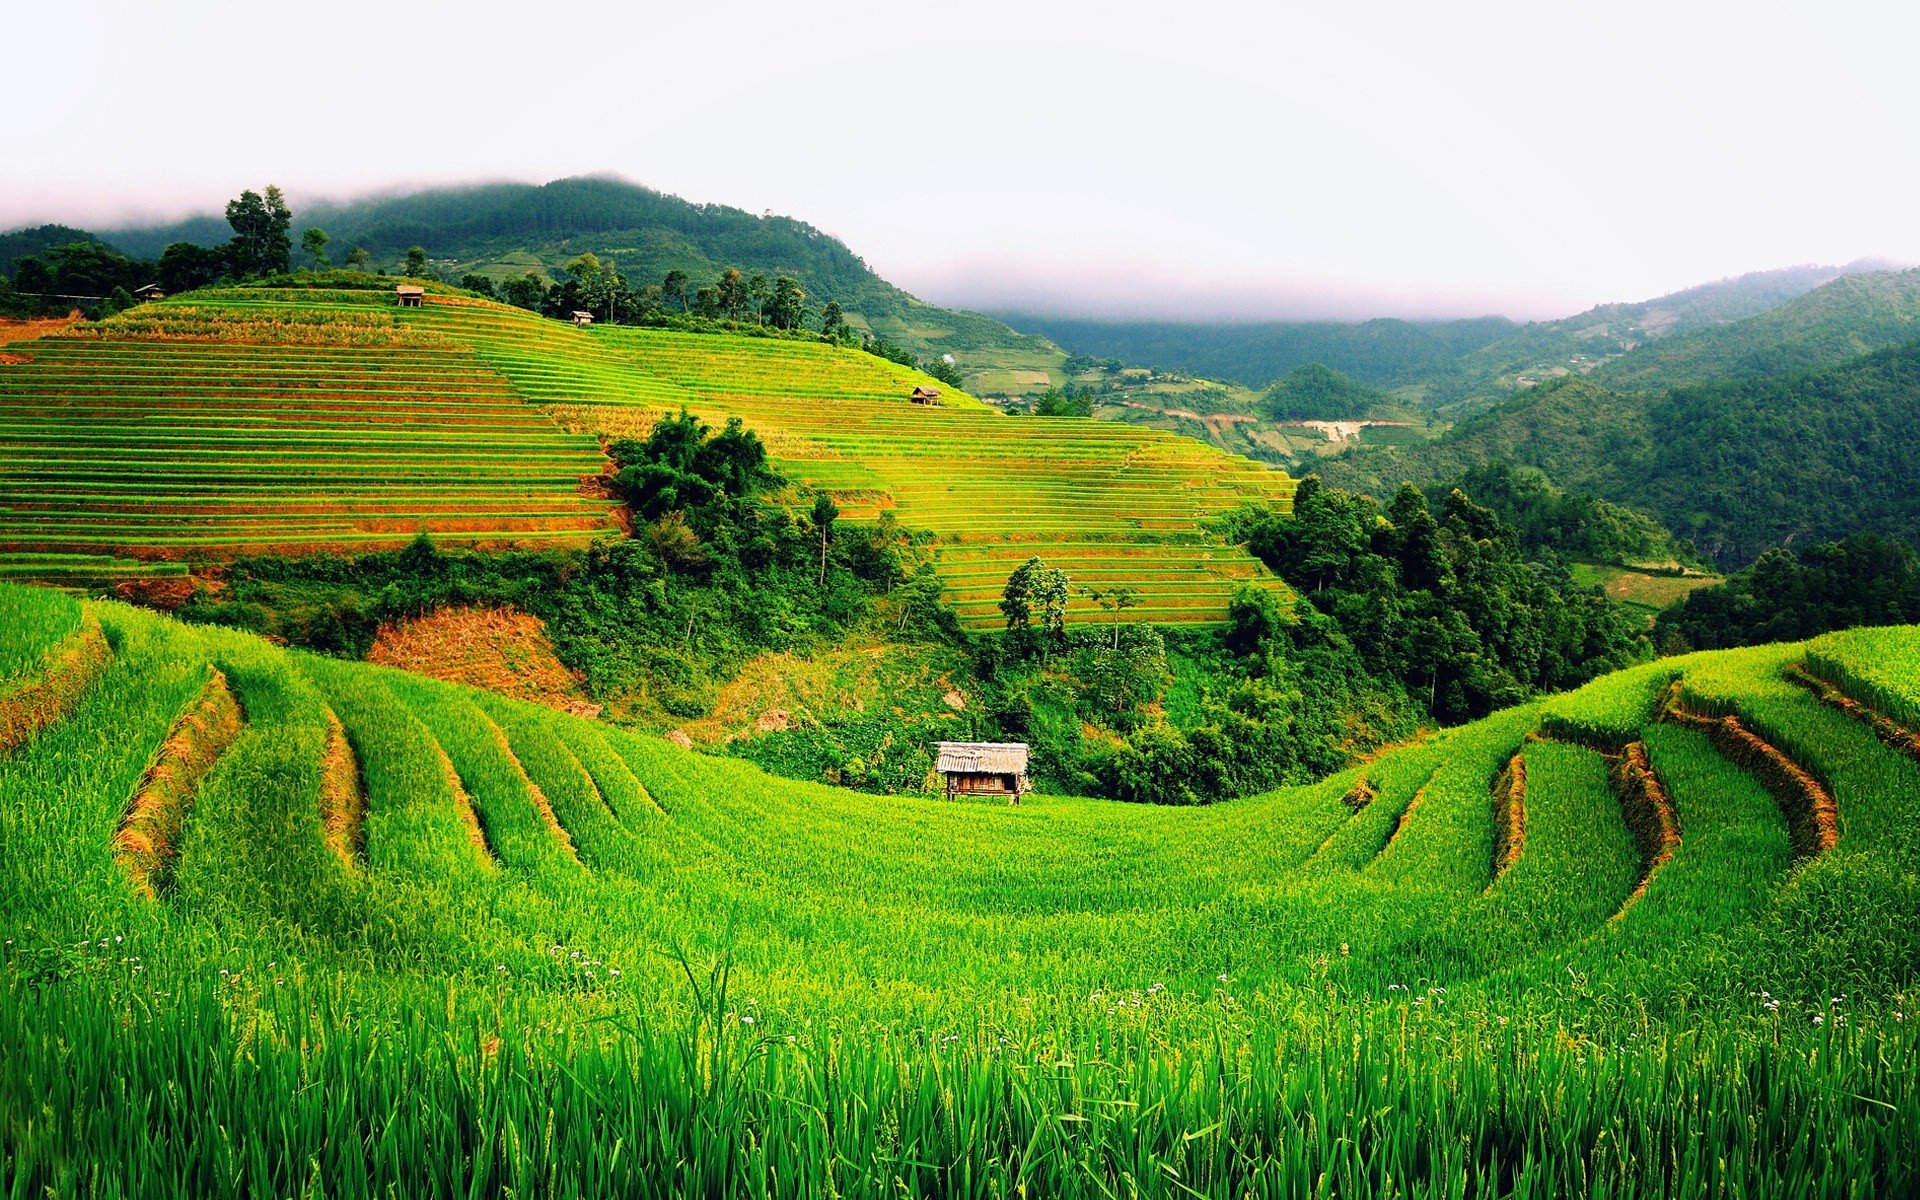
column 167, row 437
column 1110, row 505
column 251, row 420
column 270, row 919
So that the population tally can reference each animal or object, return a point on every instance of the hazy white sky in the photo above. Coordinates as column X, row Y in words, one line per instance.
column 1141, row 159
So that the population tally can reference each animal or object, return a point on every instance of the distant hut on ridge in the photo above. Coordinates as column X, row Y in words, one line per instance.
column 409, row 295
column 984, row 769
column 151, row 291
column 925, row 395
column 582, row 317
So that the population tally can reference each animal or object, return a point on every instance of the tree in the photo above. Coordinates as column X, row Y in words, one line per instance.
column 477, row 283
column 825, row 512
column 673, row 289
column 262, row 243
column 787, row 306
column 524, row 291
column 1113, row 601
column 1034, row 602
column 185, row 266
column 313, row 243
column 833, row 321
column 357, row 258
column 31, row 277
column 945, row 370
column 416, row 267
column 1057, row 403
column 731, row 294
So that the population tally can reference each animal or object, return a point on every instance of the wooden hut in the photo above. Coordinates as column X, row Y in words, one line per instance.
column 582, row 317
column 925, row 395
column 984, row 769
column 151, row 291
column 409, row 295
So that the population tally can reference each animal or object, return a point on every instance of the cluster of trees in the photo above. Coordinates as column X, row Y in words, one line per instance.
column 1312, row 392
column 99, row 280
column 734, row 302
column 1573, row 526
column 1864, row 579
column 1447, row 605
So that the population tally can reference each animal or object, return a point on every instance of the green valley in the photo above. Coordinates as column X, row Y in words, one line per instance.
column 415, row 937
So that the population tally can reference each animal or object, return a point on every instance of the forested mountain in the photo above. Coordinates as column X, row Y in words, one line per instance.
column 506, row 229
column 34, row 243
column 1442, row 363
column 1848, row 317
column 1380, row 352
column 1738, row 467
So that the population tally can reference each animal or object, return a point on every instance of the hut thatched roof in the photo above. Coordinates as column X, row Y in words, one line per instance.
column 982, row 758
column 409, row 289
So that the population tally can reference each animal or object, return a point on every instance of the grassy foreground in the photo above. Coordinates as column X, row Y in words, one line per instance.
column 1651, row 938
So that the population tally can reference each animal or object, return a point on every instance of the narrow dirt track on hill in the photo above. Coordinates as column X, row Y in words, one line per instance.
column 70, row 670
column 1509, row 816
column 149, row 837
column 1813, row 819
column 343, row 799
column 1649, row 814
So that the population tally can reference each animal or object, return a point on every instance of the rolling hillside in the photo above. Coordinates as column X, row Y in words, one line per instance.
column 507, row 229
column 1736, row 467
column 1444, row 362
column 273, row 918
column 288, row 419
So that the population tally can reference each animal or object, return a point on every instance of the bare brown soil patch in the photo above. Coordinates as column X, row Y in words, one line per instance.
column 25, row 331
column 343, row 800
column 162, row 592
column 500, row 649
column 149, row 839
column 70, row 669
column 1509, row 816
column 1813, row 820
column 1358, row 796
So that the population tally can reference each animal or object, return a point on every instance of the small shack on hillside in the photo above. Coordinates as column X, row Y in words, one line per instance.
column 984, row 769
column 582, row 317
column 409, row 295
column 151, row 291
column 925, row 395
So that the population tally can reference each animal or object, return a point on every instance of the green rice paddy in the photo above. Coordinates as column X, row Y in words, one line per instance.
column 559, row 959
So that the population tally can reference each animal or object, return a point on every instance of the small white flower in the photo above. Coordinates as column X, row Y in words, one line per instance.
column 1222, row 977
column 613, row 970
column 502, row 968
column 746, row 1020
column 1819, row 1019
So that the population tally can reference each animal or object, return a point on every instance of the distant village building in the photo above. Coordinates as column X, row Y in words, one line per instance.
column 925, row 395
column 151, row 291
column 984, row 769
column 582, row 317
column 409, row 295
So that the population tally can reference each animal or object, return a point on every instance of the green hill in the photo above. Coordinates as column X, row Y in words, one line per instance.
column 507, row 229
column 286, row 419
column 1851, row 316
column 274, row 919
column 1380, row 352
column 1736, row 467
column 1441, row 363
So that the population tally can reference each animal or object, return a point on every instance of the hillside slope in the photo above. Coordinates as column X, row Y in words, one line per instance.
column 378, row 920
column 510, row 228
column 1439, row 362
column 1737, row 467
column 304, row 418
